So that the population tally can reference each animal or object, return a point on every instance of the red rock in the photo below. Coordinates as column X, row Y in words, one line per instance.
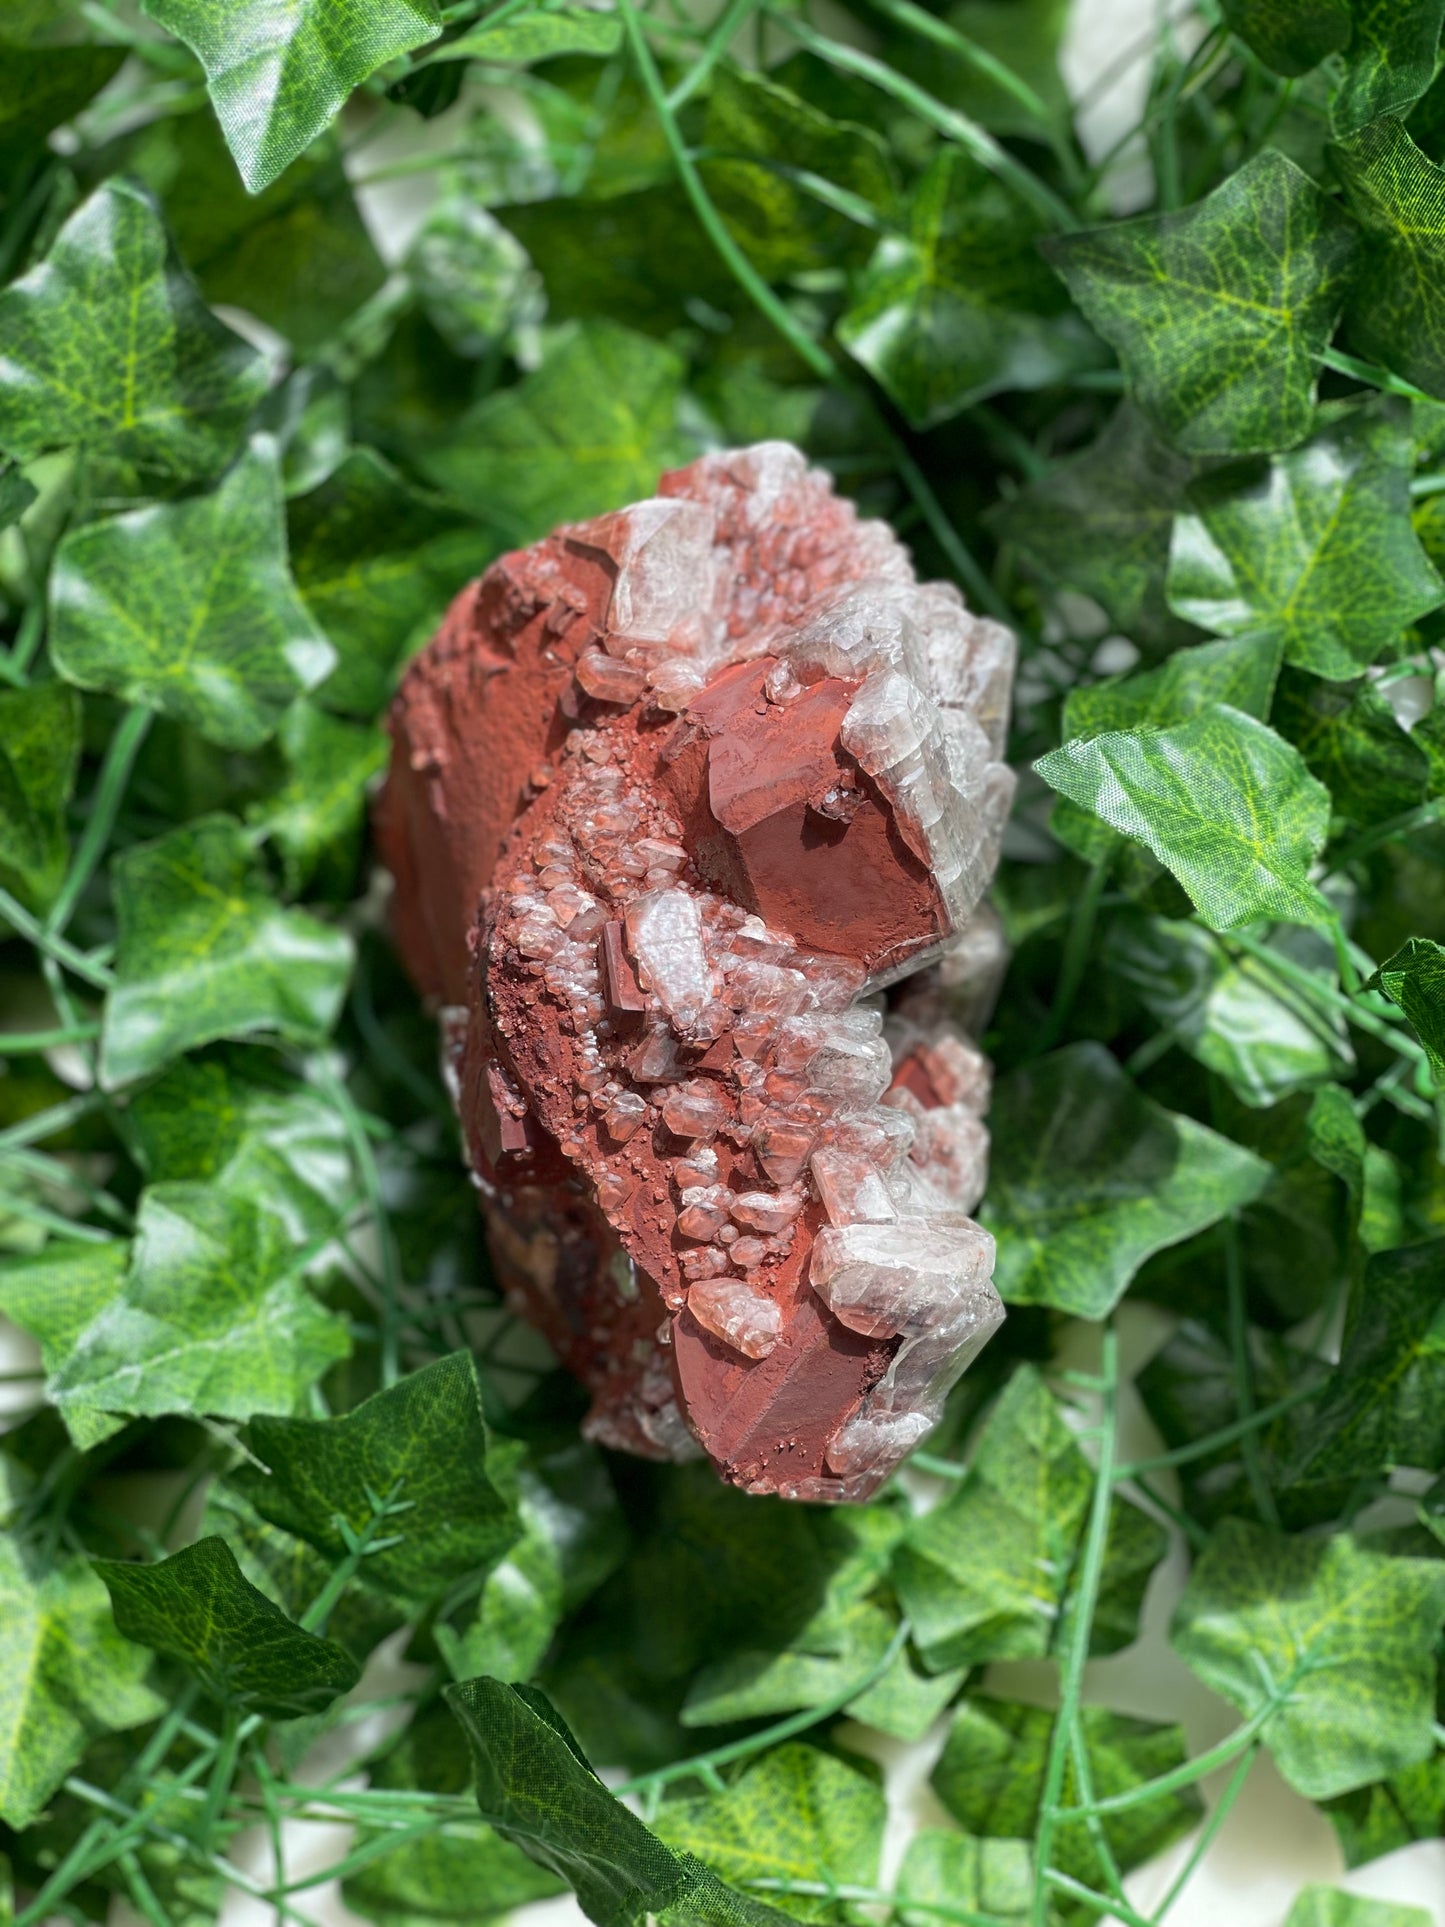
column 639, row 868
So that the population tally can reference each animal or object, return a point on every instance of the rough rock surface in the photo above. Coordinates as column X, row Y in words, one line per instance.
column 676, row 796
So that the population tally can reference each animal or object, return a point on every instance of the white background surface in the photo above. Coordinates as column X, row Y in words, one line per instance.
column 1273, row 1842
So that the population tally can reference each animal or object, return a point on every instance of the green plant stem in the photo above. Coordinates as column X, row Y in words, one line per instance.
column 1254, row 1421
column 1097, row 1903
column 1208, row 1833
column 1075, row 960
column 391, row 1281
column 896, row 1903
column 1080, row 1628
column 17, row 1043
column 720, row 36
column 1244, row 1374
column 947, row 120
column 110, row 787
column 54, row 946
column 1203, row 1764
column 222, row 1774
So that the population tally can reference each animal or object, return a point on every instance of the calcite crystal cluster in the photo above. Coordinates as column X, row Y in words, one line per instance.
column 690, row 814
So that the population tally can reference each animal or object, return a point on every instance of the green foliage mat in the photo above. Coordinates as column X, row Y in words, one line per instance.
column 1175, row 412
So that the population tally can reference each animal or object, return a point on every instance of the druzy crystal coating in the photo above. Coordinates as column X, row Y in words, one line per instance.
column 691, row 812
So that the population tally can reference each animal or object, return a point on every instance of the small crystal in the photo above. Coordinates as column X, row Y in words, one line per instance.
column 655, row 1061
column 693, row 1109
column 699, row 1167
column 767, row 1211
column 851, row 1188
column 782, row 1150
column 883, row 1133
column 706, row 1209
column 666, row 571
column 625, row 1114
column 875, row 1438
column 608, row 680
column 748, row 1252
column 881, row 1279
column 738, row 1314
column 664, row 930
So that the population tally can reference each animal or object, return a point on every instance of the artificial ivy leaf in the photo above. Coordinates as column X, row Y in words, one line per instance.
column 1225, row 1011
column 1376, row 1820
column 962, row 306
column 461, row 1874
column 990, row 1776
column 106, row 346
column 205, row 952
column 988, row 1574
column 760, row 139
column 298, row 256
column 1397, row 198
column 538, row 35
column 198, row 1607
column 1414, row 980
column 535, row 1787
column 796, row 1813
column 1341, row 1639
column 1319, row 1906
column 55, row 1293
column 1240, row 672
column 42, row 87
column 317, row 811
column 1220, row 311
column 1384, row 1404
column 1315, row 547
column 1352, row 741
column 1390, row 62
column 1090, row 1178
column 1222, row 801
column 238, row 1124
column 65, row 1676
column 572, row 1537
column 212, row 1319
column 993, row 1877
column 1291, row 36
column 278, row 76
column 39, row 755
column 1101, row 523
column 422, row 1444
column 189, row 608
column 593, row 426
column 376, row 562
column 1190, row 1390
column 471, row 275
column 17, row 493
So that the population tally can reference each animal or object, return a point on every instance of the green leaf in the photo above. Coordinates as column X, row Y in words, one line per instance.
column 39, row 755
column 106, row 346
column 205, row 952
column 762, row 142
column 1376, row 1820
column 471, row 275
column 189, row 608
column 962, row 306
column 199, row 1608
column 1397, row 196
column 1227, row 1012
column 539, row 35
column 298, row 256
column 1090, row 1178
column 1222, row 801
column 212, row 1320
column 65, row 1676
column 423, row 1442
column 42, row 87
column 376, row 562
column 795, row 1813
column 1291, row 36
column 1190, row 1391
column 1221, row 310
column 238, row 1124
column 17, row 493
column 1384, row 1404
column 989, row 1574
column 591, row 428
column 1414, row 980
column 318, row 810
column 990, row 1876
column 1240, row 672
column 462, row 1874
column 1335, row 1643
column 1352, row 741
column 1101, row 523
column 1390, row 62
column 572, row 1537
column 55, row 1293
column 534, row 1786
column 278, row 76
column 990, row 1777
column 1319, row 1906
column 1315, row 547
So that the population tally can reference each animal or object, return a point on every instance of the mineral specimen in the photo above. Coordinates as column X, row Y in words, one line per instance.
column 690, row 812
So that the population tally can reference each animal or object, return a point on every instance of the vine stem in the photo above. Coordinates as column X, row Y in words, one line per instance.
column 115, row 772
column 1244, row 1373
column 1091, row 1572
